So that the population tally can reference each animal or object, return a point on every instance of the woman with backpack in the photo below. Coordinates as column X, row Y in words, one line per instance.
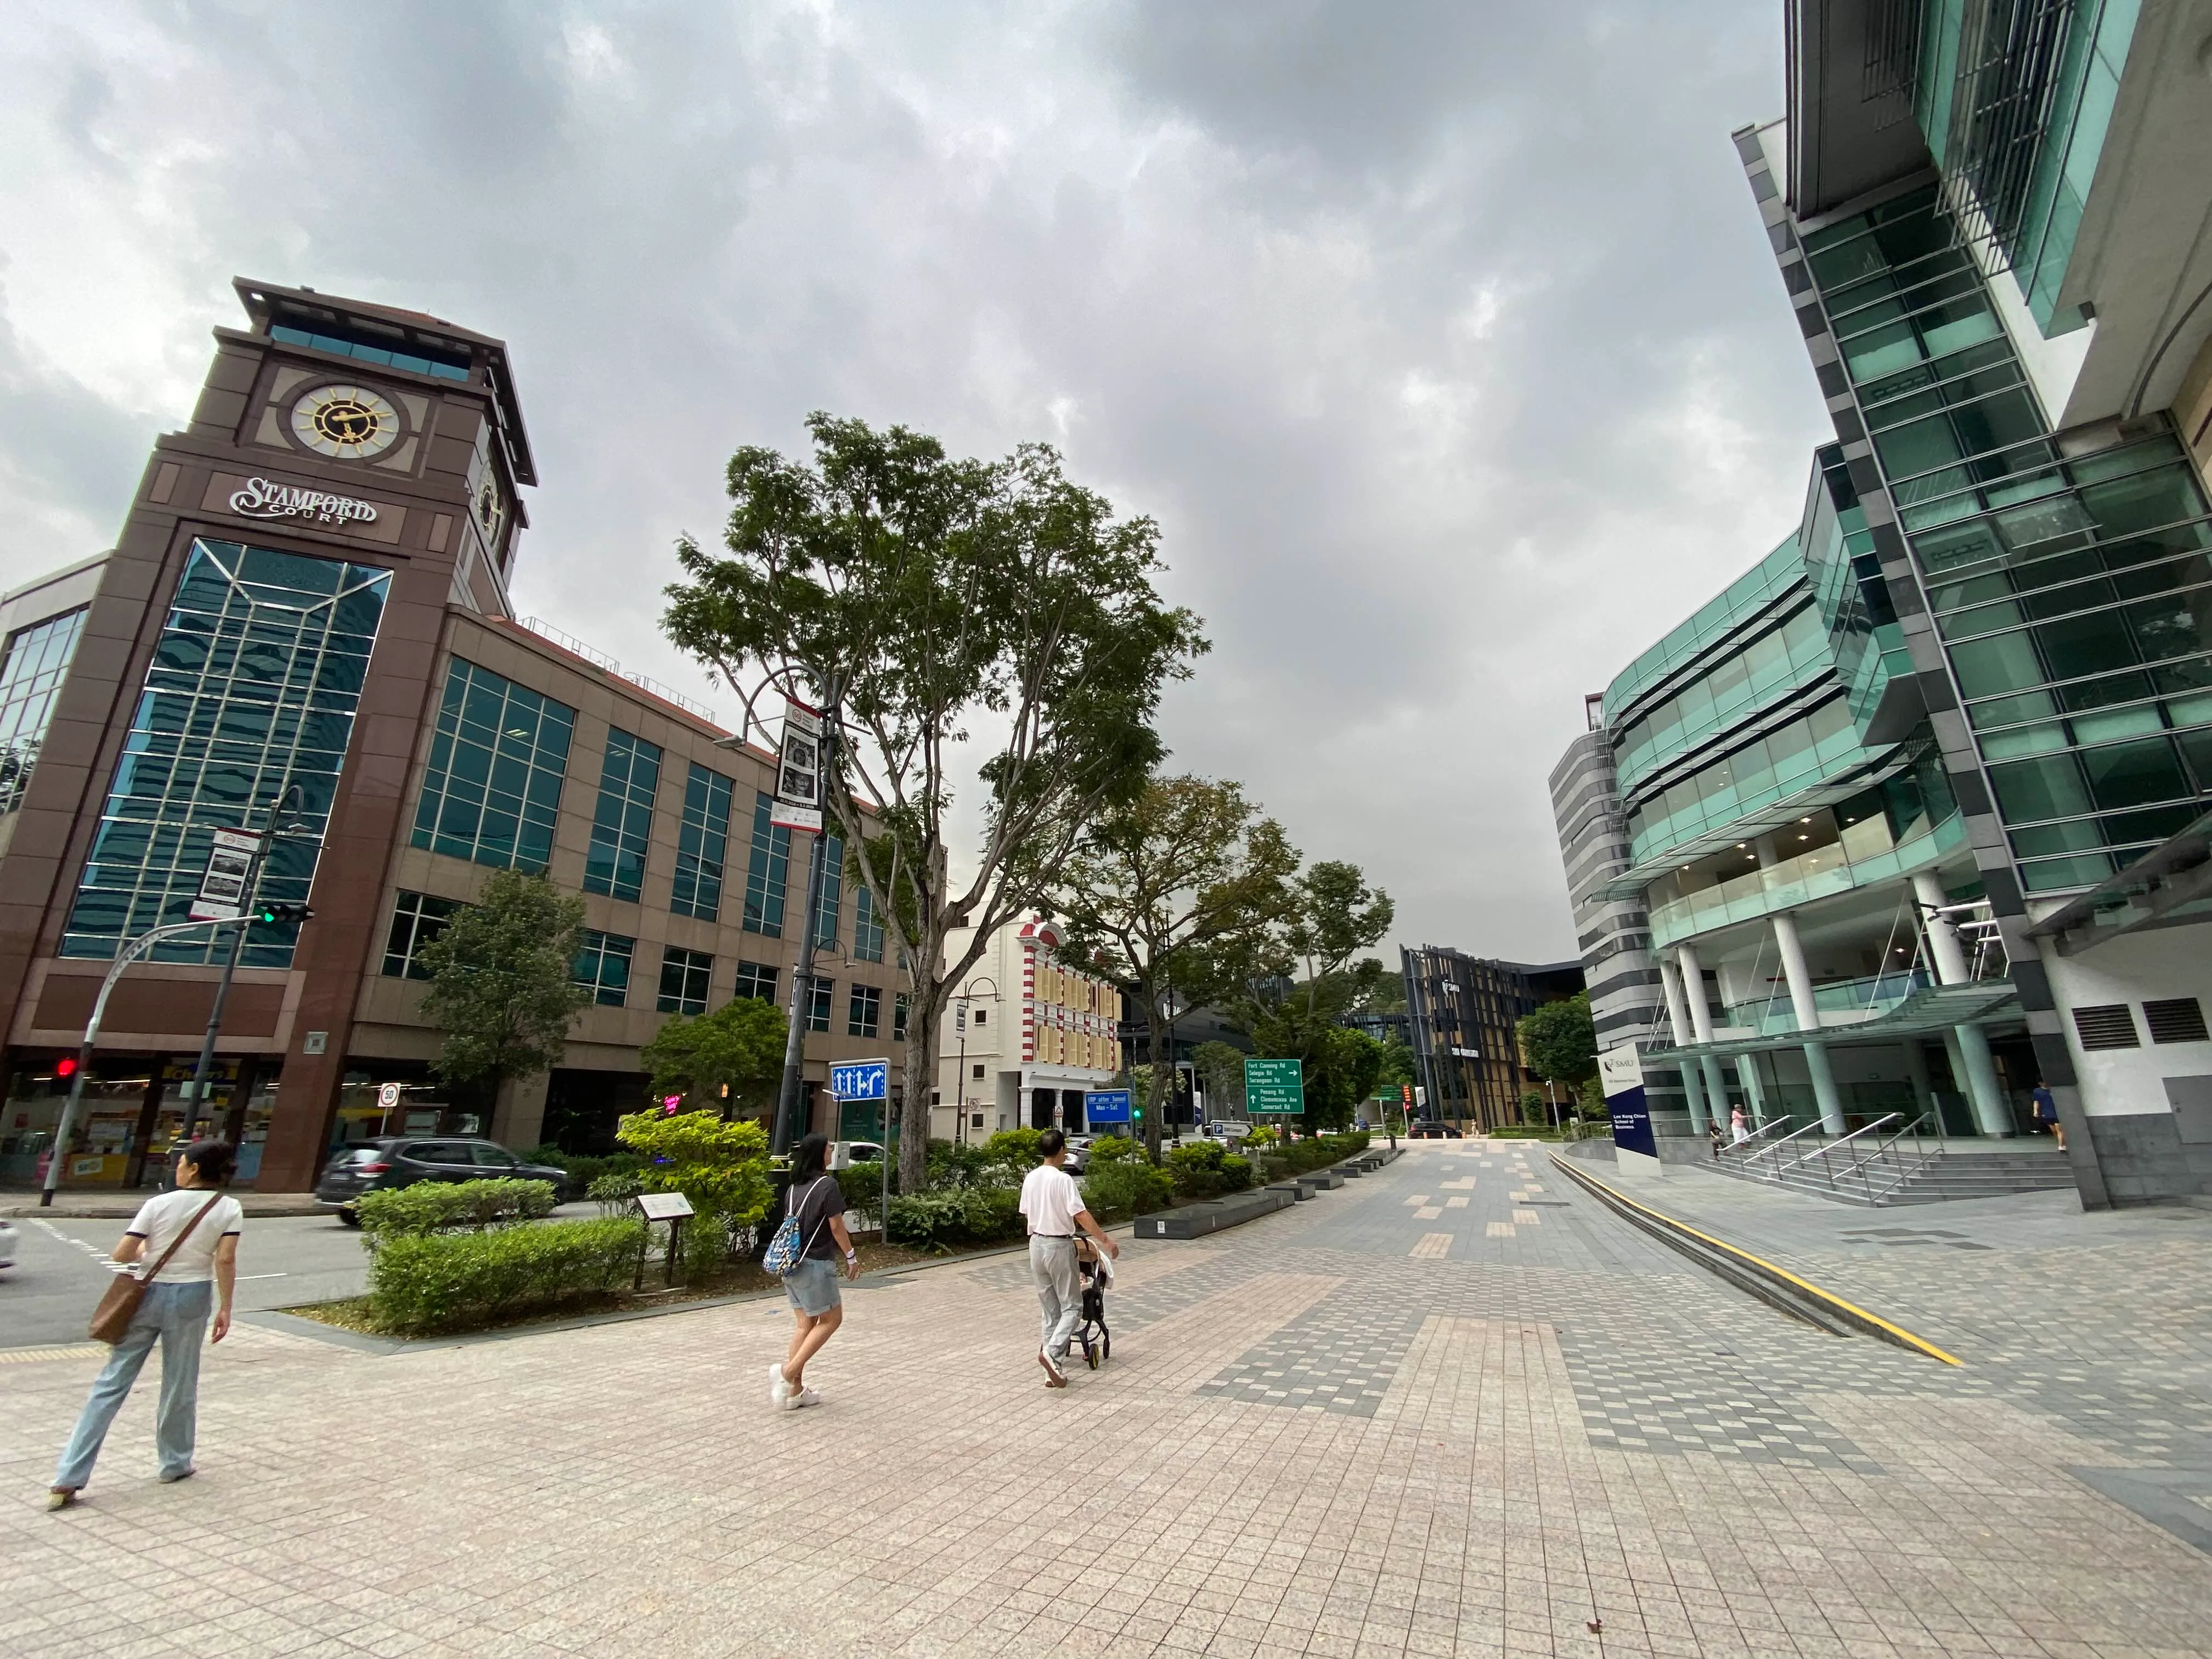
column 804, row 1253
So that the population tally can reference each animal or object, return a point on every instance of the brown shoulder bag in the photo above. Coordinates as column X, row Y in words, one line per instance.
column 126, row 1290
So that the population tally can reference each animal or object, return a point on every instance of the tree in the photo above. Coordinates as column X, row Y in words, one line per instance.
column 722, row 1168
column 502, row 982
column 1163, row 888
column 941, row 609
column 1222, row 1066
column 725, row 1059
column 1559, row 1042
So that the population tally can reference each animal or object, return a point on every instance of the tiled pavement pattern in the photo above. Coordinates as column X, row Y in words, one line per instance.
column 621, row 1489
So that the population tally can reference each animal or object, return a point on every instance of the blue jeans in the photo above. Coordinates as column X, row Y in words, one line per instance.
column 178, row 1315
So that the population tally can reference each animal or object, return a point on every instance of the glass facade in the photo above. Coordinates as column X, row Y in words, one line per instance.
column 602, row 966
column 416, row 918
column 864, row 1014
column 685, row 979
column 622, row 824
column 2073, row 595
column 1792, row 651
column 821, row 993
column 867, row 929
column 703, row 847
column 252, row 689
column 756, row 979
column 31, row 672
column 493, row 788
column 833, row 887
column 768, row 873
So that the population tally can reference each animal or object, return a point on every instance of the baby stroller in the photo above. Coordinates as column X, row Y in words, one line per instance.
column 1097, row 1272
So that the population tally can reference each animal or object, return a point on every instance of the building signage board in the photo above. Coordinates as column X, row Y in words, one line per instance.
column 1620, row 1071
column 798, row 802
column 260, row 498
column 230, row 866
column 1106, row 1106
column 861, row 1080
column 1274, row 1086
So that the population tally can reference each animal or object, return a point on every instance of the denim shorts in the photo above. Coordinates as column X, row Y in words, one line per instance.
column 813, row 1286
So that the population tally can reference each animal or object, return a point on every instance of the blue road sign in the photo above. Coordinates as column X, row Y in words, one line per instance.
column 1106, row 1106
column 861, row 1080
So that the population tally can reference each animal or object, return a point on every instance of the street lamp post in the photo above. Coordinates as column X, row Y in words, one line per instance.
column 129, row 954
column 960, row 1023
column 787, row 1130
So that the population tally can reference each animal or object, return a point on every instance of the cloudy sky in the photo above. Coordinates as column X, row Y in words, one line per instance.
column 1441, row 338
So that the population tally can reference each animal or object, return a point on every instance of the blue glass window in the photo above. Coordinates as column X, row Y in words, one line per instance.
column 370, row 354
column 833, row 887
column 768, row 874
column 821, row 993
column 867, row 931
column 685, row 977
column 252, row 689
column 865, row 1013
column 622, row 827
column 756, row 979
column 702, row 846
column 493, row 788
column 416, row 918
column 602, row 966
column 30, row 678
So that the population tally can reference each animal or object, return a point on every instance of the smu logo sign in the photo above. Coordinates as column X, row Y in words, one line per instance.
column 261, row 499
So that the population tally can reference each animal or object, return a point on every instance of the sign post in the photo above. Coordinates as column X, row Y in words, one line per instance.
column 870, row 1079
column 1620, row 1072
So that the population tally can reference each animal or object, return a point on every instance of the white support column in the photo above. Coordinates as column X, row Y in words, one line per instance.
column 1807, row 1012
column 1754, row 1098
column 1701, row 1018
column 1970, row 1044
column 1677, row 1015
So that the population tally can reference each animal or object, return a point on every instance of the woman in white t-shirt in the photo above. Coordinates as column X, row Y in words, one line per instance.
column 200, row 1275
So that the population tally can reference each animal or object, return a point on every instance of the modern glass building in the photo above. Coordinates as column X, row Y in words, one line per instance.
column 1933, row 779
column 307, row 627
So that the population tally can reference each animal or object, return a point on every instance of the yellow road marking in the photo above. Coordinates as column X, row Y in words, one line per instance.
column 1499, row 1230
column 1432, row 1246
column 1921, row 1343
column 1458, row 1202
column 1527, row 1218
column 52, row 1350
column 1428, row 1213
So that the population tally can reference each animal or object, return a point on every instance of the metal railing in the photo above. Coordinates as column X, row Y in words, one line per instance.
column 593, row 655
column 1775, row 1146
column 1882, row 1154
column 1740, row 1149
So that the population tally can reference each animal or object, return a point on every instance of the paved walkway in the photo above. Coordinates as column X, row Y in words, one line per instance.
column 1456, row 1407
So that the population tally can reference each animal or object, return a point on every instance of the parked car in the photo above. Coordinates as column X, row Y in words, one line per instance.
column 1433, row 1132
column 1077, row 1160
column 402, row 1160
column 844, row 1154
column 7, row 1243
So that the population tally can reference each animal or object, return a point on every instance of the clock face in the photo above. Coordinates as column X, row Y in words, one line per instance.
column 346, row 422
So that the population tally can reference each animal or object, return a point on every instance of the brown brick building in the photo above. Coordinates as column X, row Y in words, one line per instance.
column 311, row 588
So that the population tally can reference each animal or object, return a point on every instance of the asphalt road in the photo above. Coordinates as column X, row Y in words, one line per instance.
column 61, row 1265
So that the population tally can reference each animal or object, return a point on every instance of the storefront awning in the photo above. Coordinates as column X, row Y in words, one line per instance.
column 1927, row 1010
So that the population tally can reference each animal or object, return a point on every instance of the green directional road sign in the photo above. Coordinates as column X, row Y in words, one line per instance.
column 1274, row 1086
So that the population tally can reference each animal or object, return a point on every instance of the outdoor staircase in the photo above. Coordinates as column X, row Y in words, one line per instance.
column 1931, row 1173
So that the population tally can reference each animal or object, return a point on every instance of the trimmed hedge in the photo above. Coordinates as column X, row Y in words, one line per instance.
column 425, row 1282
column 1126, row 1187
column 947, row 1220
column 448, row 1207
column 1207, row 1169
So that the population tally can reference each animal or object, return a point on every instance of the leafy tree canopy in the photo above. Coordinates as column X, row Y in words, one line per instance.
column 500, row 982
column 722, row 1168
column 739, row 1047
column 1558, row 1041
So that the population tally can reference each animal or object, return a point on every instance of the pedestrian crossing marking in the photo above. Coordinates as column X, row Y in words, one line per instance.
column 1432, row 1246
column 1499, row 1230
column 1458, row 1202
column 1527, row 1218
column 1428, row 1213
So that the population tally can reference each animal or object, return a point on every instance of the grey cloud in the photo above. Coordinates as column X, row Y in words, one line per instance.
column 1441, row 338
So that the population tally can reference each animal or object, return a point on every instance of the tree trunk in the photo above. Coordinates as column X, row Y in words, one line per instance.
column 921, row 1022
column 1162, row 1075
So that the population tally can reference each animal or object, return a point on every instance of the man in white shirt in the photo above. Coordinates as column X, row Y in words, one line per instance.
column 1053, row 1205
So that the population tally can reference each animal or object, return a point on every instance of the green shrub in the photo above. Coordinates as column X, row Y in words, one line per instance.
column 444, row 1206
column 1523, row 1132
column 951, row 1218
column 964, row 1164
column 583, row 1169
column 425, row 1282
column 1016, row 1146
column 862, row 1184
column 1534, row 1109
column 1195, row 1167
column 1113, row 1148
column 612, row 1193
column 1127, row 1186
column 721, row 1166
column 1235, row 1173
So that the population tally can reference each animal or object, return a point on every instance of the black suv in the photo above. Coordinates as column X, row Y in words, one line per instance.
column 403, row 1160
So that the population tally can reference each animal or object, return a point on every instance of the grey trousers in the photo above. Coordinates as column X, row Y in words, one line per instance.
column 1059, row 1291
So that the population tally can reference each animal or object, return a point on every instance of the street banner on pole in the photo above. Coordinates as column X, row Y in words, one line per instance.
column 230, row 865
column 1105, row 1106
column 1274, row 1086
column 798, row 803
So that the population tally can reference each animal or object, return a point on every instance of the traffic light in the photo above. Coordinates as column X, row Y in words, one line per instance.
column 283, row 913
column 65, row 1066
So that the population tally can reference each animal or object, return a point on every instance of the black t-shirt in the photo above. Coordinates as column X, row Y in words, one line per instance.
column 814, row 1200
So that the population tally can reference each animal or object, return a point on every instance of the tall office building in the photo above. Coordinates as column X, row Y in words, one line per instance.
column 1990, row 216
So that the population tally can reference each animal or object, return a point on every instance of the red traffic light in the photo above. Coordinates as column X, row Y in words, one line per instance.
column 65, row 1066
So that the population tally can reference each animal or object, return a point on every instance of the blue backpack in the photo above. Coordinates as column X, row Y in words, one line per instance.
column 786, row 1249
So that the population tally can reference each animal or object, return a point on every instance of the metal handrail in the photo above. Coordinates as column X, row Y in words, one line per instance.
column 1921, row 1160
column 1743, row 1148
column 1813, row 1127
column 1842, row 1141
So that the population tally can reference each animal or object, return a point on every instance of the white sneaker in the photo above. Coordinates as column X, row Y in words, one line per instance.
column 1055, row 1377
column 804, row 1397
column 779, row 1389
